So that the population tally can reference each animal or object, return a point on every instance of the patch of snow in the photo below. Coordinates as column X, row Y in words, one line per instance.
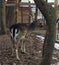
column 40, row 37
column 42, row 40
column 56, row 45
column 57, row 63
column 14, row 63
column 39, row 51
column 5, row 0
column 54, row 58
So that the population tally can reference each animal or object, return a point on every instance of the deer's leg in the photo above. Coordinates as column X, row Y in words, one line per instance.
column 16, row 47
column 22, row 42
column 12, row 50
column 23, row 46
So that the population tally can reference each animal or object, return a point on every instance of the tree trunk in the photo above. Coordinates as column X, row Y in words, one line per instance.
column 36, row 13
column 10, row 16
column 49, row 14
column 2, row 23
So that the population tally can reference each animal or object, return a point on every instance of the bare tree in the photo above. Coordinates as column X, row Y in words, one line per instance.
column 49, row 14
column 2, row 23
column 36, row 13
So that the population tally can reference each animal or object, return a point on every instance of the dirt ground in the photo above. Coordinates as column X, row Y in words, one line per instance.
column 32, row 57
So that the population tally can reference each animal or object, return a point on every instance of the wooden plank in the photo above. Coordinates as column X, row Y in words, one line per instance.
column 27, row 3
column 9, row 4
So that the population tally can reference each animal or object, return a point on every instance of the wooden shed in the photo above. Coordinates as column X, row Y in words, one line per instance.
column 23, row 15
column 10, row 1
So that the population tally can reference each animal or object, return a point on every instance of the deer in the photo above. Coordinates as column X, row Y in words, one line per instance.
column 18, row 32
